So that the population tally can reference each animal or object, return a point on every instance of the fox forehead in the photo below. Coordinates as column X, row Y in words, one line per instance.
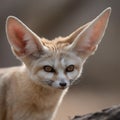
column 59, row 58
column 56, row 44
column 57, row 52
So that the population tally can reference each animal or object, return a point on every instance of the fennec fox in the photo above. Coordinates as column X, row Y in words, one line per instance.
column 35, row 90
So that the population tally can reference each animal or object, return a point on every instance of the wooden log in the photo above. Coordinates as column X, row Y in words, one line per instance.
column 112, row 113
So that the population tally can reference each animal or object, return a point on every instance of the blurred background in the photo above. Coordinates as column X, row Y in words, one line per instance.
column 99, row 85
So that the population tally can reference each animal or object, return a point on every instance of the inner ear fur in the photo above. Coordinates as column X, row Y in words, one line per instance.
column 86, row 39
column 22, row 40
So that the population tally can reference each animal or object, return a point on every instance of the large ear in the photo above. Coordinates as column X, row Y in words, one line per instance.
column 73, row 35
column 22, row 40
column 87, row 40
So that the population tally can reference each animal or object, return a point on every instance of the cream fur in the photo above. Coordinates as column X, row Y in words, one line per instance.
column 29, row 92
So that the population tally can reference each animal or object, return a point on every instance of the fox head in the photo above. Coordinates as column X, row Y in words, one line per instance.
column 56, row 63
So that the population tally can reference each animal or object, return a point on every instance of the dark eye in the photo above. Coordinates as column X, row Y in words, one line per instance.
column 48, row 68
column 70, row 68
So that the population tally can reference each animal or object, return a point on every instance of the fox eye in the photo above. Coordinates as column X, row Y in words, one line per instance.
column 70, row 68
column 48, row 68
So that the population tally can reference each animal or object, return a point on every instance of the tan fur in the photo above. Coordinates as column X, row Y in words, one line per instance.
column 29, row 92
column 26, row 97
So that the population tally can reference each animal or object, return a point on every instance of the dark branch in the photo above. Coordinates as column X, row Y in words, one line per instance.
column 112, row 113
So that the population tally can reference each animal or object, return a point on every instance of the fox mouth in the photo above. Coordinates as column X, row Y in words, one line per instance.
column 50, row 83
column 58, row 87
column 62, row 88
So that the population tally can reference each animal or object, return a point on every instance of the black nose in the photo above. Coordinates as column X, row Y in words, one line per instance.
column 63, row 84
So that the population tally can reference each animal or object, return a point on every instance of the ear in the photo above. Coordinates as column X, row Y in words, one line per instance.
column 73, row 35
column 22, row 40
column 86, row 41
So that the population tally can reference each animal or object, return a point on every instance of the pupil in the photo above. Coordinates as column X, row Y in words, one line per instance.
column 70, row 68
column 48, row 68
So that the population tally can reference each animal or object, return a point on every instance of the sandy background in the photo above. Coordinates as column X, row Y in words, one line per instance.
column 99, row 86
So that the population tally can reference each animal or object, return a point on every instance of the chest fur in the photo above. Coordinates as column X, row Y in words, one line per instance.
column 32, row 102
